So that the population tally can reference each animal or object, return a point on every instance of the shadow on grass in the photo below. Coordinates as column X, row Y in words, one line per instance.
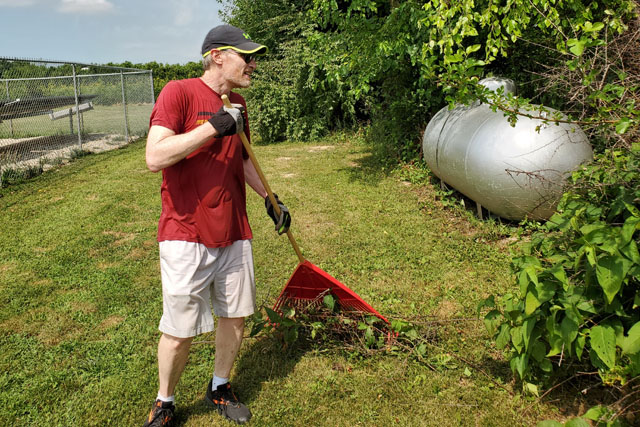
column 263, row 359
column 366, row 169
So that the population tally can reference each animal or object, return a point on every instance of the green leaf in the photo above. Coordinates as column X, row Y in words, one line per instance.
column 492, row 320
column 538, row 351
column 559, row 273
column 630, row 226
column 274, row 317
column 545, row 291
column 597, row 26
column 504, row 337
column 329, row 302
column 531, row 389
column 623, row 125
column 569, row 330
column 549, row 423
column 579, row 344
column 533, row 275
column 290, row 335
column 631, row 252
column 576, row 46
column 519, row 364
column 631, row 343
column 531, row 303
column 369, row 337
column 603, row 342
column 577, row 422
column 546, row 366
column 516, row 338
column 595, row 413
column 610, row 271
column 527, row 328
column 257, row 328
column 554, row 337
column 473, row 48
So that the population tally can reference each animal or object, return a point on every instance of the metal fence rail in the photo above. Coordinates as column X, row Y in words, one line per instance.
column 52, row 110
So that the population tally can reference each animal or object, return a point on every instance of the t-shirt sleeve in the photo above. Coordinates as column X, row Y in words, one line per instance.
column 169, row 109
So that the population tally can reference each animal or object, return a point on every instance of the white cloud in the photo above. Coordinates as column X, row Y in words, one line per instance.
column 85, row 6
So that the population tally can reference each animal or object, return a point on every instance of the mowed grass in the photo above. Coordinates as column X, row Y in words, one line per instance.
column 81, row 299
column 109, row 119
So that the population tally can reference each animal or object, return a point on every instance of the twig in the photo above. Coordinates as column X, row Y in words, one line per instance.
column 547, row 119
column 538, row 400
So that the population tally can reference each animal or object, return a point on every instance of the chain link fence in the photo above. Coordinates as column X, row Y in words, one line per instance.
column 51, row 111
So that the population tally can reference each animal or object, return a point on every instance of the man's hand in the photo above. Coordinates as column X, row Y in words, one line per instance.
column 283, row 221
column 228, row 120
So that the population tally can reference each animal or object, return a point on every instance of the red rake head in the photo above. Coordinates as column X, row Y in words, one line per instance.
column 309, row 283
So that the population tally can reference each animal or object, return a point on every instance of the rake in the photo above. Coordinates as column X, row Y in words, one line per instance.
column 308, row 283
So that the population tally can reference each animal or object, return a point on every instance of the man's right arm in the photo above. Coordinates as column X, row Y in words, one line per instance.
column 165, row 148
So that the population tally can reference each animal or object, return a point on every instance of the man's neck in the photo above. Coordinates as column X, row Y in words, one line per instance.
column 219, row 85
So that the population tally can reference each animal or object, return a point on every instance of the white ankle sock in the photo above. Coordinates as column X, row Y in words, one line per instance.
column 218, row 381
column 171, row 398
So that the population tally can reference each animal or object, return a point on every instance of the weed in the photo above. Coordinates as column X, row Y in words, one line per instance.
column 10, row 176
column 78, row 153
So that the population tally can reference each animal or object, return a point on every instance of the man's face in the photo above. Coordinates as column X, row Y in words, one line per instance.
column 235, row 70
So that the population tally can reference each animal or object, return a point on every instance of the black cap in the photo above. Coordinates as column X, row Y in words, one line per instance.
column 230, row 37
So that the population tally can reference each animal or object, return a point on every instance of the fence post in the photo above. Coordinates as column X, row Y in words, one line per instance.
column 75, row 93
column 9, row 99
column 153, row 89
column 124, row 103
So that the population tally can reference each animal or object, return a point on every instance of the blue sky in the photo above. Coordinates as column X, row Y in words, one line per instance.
column 100, row 31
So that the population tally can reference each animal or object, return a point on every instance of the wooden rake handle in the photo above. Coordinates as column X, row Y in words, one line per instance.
column 263, row 179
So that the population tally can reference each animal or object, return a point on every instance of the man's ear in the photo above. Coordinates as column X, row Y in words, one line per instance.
column 216, row 56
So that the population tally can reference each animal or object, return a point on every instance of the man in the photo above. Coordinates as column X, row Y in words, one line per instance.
column 203, row 233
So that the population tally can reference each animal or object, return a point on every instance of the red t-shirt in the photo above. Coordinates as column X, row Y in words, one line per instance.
column 203, row 195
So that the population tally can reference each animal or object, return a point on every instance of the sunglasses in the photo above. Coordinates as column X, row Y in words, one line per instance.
column 248, row 57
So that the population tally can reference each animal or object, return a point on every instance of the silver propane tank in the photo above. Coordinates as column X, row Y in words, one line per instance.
column 513, row 171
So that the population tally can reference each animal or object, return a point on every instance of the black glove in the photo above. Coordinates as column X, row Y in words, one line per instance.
column 228, row 120
column 284, row 220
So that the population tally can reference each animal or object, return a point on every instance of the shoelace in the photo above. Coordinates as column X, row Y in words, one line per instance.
column 166, row 414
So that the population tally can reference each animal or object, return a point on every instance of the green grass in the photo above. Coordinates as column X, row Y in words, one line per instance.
column 102, row 119
column 81, row 299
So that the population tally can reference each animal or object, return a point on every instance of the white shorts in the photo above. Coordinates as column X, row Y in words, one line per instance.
column 196, row 278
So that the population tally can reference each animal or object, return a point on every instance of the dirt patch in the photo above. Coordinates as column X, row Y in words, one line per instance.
column 83, row 307
column 319, row 148
column 137, row 253
column 103, row 266
column 110, row 322
column 47, row 325
column 120, row 236
column 448, row 309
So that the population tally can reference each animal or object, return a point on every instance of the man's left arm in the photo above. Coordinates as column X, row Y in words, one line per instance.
column 282, row 221
column 252, row 178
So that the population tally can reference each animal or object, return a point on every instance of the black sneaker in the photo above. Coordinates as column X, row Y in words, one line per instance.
column 227, row 403
column 161, row 415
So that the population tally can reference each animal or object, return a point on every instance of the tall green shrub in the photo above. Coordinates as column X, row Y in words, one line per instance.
column 578, row 305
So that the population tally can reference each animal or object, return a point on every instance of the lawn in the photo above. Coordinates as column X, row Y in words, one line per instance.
column 108, row 119
column 81, row 299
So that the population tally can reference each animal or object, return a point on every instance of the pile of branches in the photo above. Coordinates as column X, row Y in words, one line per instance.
column 324, row 320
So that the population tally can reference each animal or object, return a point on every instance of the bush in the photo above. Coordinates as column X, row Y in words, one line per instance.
column 578, row 305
